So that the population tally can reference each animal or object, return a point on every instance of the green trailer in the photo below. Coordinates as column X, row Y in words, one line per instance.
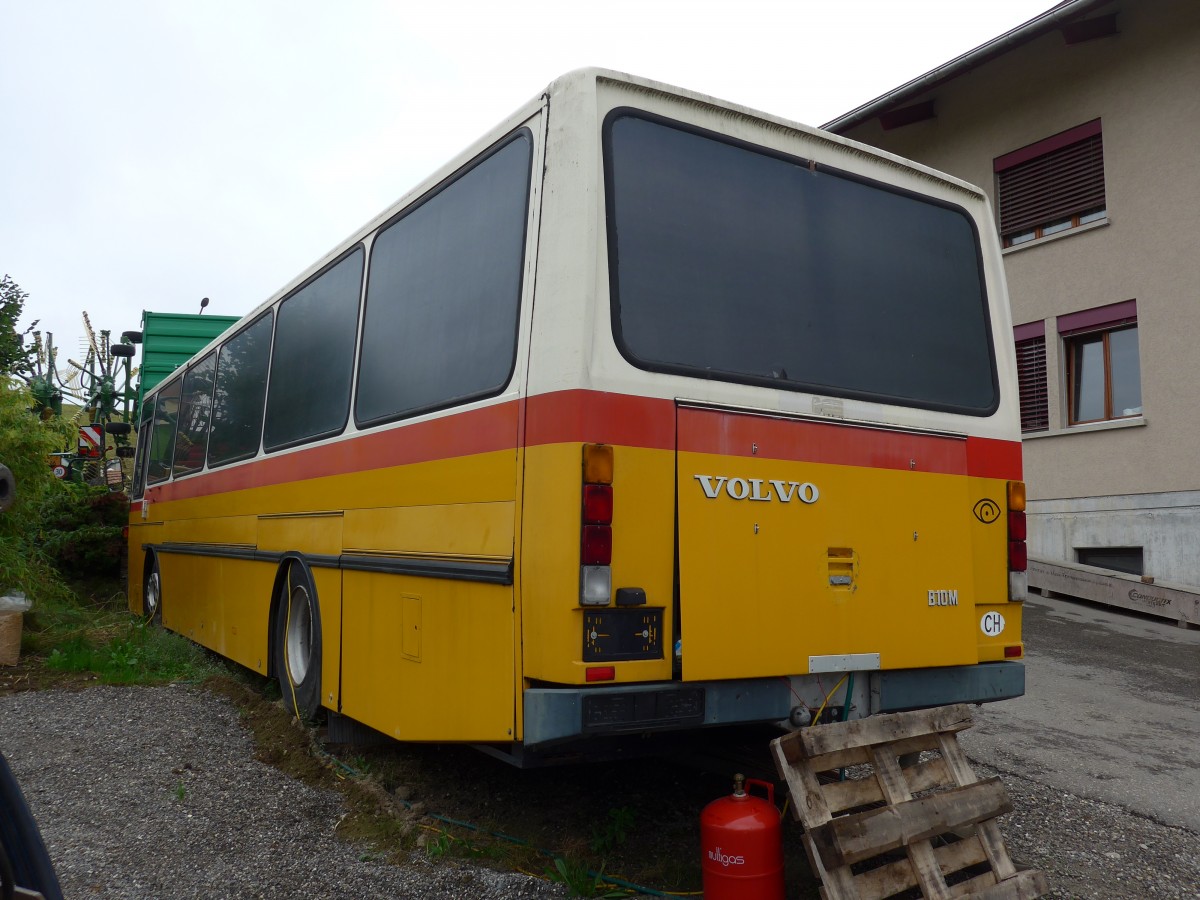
column 171, row 339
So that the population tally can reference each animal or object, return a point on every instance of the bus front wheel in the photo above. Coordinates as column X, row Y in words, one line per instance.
column 152, row 590
column 298, row 642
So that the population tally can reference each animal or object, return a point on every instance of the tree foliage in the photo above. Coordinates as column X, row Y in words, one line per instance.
column 16, row 354
column 25, row 443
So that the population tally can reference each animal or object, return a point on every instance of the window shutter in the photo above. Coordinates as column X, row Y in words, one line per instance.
column 1058, row 184
column 1031, row 376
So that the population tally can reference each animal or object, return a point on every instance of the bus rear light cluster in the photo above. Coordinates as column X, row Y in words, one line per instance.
column 595, row 526
column 1018, row 554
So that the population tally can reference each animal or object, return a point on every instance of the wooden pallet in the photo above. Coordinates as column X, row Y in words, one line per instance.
column 887, row 829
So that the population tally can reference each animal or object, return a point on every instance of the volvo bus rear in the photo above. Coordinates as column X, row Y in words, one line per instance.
column 792, row 355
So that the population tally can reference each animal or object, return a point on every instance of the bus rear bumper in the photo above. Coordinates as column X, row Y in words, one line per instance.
column 567, row 713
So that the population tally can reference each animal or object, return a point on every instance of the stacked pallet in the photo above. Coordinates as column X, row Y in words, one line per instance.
column 927, row 824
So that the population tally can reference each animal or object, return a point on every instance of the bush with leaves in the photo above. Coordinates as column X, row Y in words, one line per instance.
column 25, row 443
column 81, row 530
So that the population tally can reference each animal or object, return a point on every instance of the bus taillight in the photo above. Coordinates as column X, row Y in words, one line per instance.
column 1018, row 555
column 595, row 527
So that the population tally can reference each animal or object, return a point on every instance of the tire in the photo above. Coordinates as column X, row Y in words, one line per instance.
column 297, row 642
column 8, row 488
column 131, row 337
column 117, row 427
column 122, row 350
column 152, row 591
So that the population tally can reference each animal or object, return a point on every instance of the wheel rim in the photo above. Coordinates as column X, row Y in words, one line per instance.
column 299, row 634
column 153, row 595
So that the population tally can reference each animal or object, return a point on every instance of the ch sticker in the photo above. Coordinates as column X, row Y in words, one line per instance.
column 992, row 624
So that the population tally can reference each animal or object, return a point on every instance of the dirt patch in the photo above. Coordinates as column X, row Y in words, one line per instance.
column 636, row 821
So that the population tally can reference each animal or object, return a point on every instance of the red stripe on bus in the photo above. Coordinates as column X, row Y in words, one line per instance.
column 990, row 458
column 738, row 434
column 600, row 418
column 619, row 419
column 462, row 434
column 725, row 434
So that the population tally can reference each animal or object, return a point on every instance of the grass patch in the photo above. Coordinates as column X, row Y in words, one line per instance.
column 132, row 652
column 88, row 630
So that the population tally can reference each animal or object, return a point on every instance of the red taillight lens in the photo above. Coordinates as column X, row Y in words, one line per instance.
column 600, row 673
column 597, row 504
column 1018, row 558
column 596, row 549
column 1013, row 652
column 1016, row 526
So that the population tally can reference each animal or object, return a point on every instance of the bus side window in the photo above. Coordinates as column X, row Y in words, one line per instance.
column 143, row 447
column 241, row 385
column 162, row 432
column 192, row 438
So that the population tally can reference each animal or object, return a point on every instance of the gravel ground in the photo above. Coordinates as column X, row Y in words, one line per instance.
column 155, row 793
column 1093, row 850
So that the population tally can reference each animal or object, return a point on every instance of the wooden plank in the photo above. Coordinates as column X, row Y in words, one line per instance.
column 988, row 832
column 894, row 877
column 808, row 806
column 972, row 887
column 1026, row 885
column 821, row 739
column 843, row 795
column 920, row 853
column 840, row 759
column 927, row 775
column 859, row 836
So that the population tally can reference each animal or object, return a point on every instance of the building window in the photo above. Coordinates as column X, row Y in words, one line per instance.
column 1119, row 559
column 1051, row 186
column 1103, row 371
column 1031, row 376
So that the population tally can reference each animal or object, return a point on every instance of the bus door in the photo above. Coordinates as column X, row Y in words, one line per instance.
column 808, row 545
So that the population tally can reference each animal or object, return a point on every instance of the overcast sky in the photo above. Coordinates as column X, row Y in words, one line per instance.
column 157, row 152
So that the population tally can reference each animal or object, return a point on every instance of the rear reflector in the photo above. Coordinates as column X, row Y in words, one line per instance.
column 597, row 504
column 595, row 585
column 1018, row 556
column 598, row 463
column 1013, row 652
column 1016, row 496
column 601, row 673
column 1016, row 526
column 596, row 546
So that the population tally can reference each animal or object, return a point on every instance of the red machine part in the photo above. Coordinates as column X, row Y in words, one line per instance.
column 742, row 845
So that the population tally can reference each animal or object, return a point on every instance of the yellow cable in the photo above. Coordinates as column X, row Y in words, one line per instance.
column 287, row 627
column 817, row 717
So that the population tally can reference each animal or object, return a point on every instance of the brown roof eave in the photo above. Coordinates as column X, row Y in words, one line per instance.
column 1034, row 28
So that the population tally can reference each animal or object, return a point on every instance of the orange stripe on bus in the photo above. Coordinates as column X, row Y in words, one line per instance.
column 462, row 434
column 619, row 419
column 735, row 434
column 601, row 418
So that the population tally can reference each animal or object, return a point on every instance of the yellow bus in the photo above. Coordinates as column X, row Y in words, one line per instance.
column 649, row 412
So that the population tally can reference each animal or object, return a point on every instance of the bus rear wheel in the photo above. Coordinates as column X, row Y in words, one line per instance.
column 298, row 642
column 152, row 590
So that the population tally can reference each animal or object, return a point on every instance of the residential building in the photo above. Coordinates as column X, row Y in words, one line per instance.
column 1084, row 127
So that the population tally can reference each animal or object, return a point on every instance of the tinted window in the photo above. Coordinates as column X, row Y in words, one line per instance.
column 194, row 412
column 313, row 359
column 162, row 432
column 444, row 290
column 728, row 262
column 240, row 390
column 143, row 446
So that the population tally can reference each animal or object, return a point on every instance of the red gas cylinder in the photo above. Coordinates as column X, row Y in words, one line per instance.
column 742, row 844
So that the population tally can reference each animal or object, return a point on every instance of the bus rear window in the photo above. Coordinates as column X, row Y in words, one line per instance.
column 731, row 262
